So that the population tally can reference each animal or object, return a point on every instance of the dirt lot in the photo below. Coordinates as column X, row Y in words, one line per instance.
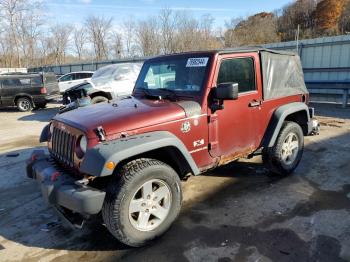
column 238, row 212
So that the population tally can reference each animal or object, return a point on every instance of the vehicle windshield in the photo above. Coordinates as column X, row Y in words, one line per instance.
column 117, row 72
column 181, row 75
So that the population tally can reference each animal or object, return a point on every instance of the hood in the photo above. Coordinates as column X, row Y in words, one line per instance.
column 122, row 115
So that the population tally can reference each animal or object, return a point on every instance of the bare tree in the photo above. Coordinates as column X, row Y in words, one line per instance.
column 148, row 37
column 117, row 44
column 99, row 29
column 168, row 22
column 79, row 41
column 20, row 20
column 60, row 35
column 129, row 28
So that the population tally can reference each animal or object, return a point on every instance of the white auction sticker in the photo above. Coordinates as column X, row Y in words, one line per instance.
column 197, row 62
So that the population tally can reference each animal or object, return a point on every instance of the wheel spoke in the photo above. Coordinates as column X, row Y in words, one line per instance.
column 147, row 189
column 143, row 219
column 284, row 155
column 294, row 145
column 161, row 192
column 160, row 212
column 135, row 206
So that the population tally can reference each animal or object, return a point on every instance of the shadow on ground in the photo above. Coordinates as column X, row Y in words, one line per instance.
column 42, row 115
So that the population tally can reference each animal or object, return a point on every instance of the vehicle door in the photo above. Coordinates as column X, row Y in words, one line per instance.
column 233, row 129
column 66, row 82
column 10, row 87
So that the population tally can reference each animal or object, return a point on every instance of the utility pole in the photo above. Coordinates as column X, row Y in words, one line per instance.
column 297, row 38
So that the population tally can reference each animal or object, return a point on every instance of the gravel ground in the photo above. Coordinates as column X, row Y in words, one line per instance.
column 238, row 212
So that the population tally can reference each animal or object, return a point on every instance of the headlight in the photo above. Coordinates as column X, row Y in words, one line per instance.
column 81, row 146
column 51, row 128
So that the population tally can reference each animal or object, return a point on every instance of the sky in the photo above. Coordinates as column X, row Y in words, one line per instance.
column 74, row 11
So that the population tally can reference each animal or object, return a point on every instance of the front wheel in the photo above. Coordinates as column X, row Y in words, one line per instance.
column 286, row 154
column 143, row 203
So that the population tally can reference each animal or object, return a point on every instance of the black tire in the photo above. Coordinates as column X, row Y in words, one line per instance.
column 273, row 157
column 121, row 191
column 99, row 99
column 40, row 105
column 24, row 104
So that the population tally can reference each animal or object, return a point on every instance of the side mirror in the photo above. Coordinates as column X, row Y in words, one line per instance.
column 226, row 91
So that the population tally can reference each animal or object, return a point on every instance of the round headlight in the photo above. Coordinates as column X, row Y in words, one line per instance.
column 81, row 146
column 51, row 128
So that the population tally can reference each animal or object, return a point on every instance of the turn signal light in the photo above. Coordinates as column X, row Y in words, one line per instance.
column 110, row 165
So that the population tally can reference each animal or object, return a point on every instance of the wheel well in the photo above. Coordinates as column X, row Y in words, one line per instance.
column 169, row 155
column 20, row 96
column 101, row 93
column 300, row 118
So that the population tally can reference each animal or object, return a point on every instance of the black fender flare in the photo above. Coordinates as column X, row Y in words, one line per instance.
column 277, row 119
column 19, row 95
column 124, row 148
column 44, row 136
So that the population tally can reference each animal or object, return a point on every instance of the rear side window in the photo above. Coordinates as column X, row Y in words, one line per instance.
column 37, row 80
column 238, row 70
column 49, row 78
column 25, row 81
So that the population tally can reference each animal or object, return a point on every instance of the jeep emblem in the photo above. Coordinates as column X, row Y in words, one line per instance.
column 186, row 127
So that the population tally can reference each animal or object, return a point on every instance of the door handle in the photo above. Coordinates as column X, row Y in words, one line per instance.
column 254, row 103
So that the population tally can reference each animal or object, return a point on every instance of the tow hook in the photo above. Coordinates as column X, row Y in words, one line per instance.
column 85, row 181
column 315, row 127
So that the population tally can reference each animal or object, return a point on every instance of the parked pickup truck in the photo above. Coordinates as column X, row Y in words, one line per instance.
column 188, row 113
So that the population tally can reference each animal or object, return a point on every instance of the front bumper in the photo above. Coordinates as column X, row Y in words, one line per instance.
column 60, row 189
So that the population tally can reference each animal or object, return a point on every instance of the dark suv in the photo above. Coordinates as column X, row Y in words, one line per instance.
column 27, row 91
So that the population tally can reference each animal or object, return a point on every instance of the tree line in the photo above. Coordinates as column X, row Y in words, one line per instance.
column 26, row 39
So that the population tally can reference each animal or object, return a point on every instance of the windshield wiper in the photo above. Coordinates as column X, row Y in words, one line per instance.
column 171, row 92
column 148, row 93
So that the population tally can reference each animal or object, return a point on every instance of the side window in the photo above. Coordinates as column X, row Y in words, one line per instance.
column 67, row 78
column 37, row 80
column 238, row 70
column 11, row 82
column 25, row 81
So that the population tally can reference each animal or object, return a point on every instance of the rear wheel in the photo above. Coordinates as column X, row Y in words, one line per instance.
column 99, row 99
column 24, row 104
column 143, row 203
column 286, row 154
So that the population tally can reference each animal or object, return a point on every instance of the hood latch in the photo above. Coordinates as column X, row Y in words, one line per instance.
column 100, row 132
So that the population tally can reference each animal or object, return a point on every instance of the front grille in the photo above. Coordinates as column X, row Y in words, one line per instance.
column 62, row 147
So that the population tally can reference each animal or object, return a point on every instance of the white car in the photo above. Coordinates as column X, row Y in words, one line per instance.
column 72, row 79
column 116, row 79
column 107, row 83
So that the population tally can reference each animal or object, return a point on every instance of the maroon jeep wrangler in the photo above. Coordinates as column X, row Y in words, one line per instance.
column 188, row 113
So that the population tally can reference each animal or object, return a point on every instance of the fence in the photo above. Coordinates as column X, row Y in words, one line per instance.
column 86, row 66
column 323, row 59
column 326, row 65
